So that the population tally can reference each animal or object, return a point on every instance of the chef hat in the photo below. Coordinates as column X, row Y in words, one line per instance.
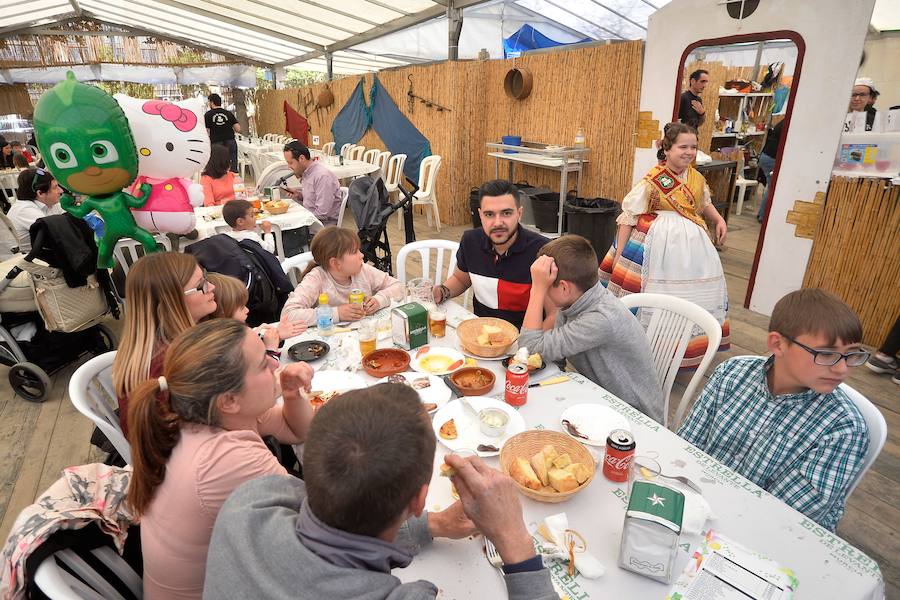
column 869, row 83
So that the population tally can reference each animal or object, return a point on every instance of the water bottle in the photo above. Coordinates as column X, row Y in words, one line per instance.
column 324, row 315
column 579, row 138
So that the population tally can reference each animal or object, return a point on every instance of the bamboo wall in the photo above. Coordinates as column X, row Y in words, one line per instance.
column 854, row 252
column 597, row 88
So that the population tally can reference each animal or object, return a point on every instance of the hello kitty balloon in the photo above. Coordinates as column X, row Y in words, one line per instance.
column 173, row 145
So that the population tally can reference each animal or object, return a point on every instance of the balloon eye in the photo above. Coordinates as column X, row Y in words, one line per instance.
column 169, row 146
column 63, row 156
column 104, row 152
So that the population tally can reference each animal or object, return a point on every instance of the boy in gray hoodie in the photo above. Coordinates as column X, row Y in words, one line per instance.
column 360, row 513
column 589, row 327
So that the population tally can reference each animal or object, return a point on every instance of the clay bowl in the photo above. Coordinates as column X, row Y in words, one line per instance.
column 466, row 381
column 386, row 361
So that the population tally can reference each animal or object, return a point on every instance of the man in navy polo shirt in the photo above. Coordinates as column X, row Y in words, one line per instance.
column 495, row 261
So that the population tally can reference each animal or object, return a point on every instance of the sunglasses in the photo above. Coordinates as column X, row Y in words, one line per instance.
column 201, row 288
column 38, row 172
column 829, row 358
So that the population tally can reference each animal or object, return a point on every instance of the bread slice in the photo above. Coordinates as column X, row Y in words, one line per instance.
column 447, row 470
column 580, row 471
column 562, row 461
column 550, row 453
column 448, row 430
column 540, row 467
column 535, row 361
column 524, row 475
column 562, row 480
column 483, row 339
column 494, row 334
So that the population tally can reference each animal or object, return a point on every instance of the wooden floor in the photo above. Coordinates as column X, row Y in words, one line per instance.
column 38, row 440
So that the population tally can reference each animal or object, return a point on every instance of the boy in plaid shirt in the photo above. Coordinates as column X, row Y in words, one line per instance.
column 782, row 422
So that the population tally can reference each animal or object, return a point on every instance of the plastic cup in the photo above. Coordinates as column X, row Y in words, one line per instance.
column 368, row 336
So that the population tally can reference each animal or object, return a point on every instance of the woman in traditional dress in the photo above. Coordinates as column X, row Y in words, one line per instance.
column 663, row 245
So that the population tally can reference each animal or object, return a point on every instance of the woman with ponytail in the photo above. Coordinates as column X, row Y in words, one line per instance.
column 196, row 435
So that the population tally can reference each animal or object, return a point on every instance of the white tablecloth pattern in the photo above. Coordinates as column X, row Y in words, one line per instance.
column 826, row 566
column 297, row 216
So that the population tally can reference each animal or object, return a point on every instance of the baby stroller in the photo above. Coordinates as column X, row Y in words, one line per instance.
column 368, row 200
column 51, row 302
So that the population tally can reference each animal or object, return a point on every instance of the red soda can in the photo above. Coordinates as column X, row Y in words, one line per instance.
column 516, row 384
column 619, row 454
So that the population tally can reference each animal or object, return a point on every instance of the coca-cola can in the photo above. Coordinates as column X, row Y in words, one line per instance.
column 619, row 454
column 516, row 384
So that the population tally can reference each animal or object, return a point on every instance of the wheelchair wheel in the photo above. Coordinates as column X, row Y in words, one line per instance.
column 29, row 381
column 106, row 338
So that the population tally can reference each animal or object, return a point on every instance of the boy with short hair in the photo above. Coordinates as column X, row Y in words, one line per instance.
column 782, row 422
column 240, row 217
column 590, row 327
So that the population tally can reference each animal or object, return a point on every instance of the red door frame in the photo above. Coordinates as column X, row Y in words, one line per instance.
column 743, row 38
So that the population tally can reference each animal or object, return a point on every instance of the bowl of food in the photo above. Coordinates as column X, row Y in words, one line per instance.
column 473, row 381
column 487, row 337
column 384, row 362
column 547, row 466
column 492, row 421
column 276, row 207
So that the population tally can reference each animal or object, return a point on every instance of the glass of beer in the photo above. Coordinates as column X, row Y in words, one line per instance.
column 368, row 336
column 437, row 321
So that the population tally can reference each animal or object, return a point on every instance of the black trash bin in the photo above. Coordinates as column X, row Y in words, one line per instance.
column 545, row 209
column 594, row 219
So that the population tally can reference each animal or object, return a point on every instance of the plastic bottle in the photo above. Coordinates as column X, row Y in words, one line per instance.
column 579, row 138
column 324, row 315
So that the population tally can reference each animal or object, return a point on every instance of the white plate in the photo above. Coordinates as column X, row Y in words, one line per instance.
column 509, row 352
column 451, row 353
column 594, row 421
column 337, row 381
column 436, row 393
column 468, row 427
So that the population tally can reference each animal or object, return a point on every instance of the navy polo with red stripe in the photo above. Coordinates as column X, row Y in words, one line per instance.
column 501, row 282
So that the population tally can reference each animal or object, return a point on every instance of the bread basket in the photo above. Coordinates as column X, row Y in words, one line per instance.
column 528, row 443
column 276, row 209
column 469, row 330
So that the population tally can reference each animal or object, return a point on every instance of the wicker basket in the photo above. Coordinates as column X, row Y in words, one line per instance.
column 528, row 443
column 276, row 209
column 468, row 332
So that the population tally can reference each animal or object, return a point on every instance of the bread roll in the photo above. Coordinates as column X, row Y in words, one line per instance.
column 522, row 472
column 580, row 471
column 562, row 461
column 549, row 454
column 562, row 480
column 538, row 462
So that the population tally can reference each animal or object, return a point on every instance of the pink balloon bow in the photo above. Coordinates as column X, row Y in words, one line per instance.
column 184, row 120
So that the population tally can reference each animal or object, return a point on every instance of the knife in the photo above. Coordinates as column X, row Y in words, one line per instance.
column 551, row 381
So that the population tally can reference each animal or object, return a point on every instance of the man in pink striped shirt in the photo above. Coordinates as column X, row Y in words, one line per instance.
column 320, row 190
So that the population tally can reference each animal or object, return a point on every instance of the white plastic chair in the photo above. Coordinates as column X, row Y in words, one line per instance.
column 356, row 152
column 671, row 325
column 127, row 253
column 382, row 162
column 393, row 175
column 279, row 241
column 371, row 156
column 295, row 265
column 877, row 427
column 345, row 194
column 741, row 184
column 92, row 392
column 58, row 584
column 345, row 149
column 424, row 248
column 426, row 196
column 328, row 149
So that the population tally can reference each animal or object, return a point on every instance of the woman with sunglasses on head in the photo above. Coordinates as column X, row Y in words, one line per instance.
column 168, row 293
column 196, row 435
column 37, row 196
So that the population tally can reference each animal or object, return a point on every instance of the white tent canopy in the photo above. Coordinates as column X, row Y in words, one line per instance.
column 357, row 35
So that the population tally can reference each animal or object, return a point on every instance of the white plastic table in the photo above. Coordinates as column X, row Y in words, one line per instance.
column 210, row 221
column 826, row 566
column 348, row 170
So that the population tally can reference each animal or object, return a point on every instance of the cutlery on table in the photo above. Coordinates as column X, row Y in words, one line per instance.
column 550, row 381
column 493, row 556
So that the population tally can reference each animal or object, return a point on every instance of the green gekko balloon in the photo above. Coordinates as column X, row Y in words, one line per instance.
column 87, row 145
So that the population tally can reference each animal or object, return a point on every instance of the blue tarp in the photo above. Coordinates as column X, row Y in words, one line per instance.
column 399, row 135
column 529, row 38
column 353, row 120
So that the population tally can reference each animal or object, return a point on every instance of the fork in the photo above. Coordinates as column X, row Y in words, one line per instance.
column 492, row 555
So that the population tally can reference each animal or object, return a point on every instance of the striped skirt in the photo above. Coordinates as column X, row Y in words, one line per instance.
column 668, row 254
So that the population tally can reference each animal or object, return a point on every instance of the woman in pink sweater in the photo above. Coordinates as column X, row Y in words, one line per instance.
column 217, row 180
column 196, row 435
column 337, row 269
